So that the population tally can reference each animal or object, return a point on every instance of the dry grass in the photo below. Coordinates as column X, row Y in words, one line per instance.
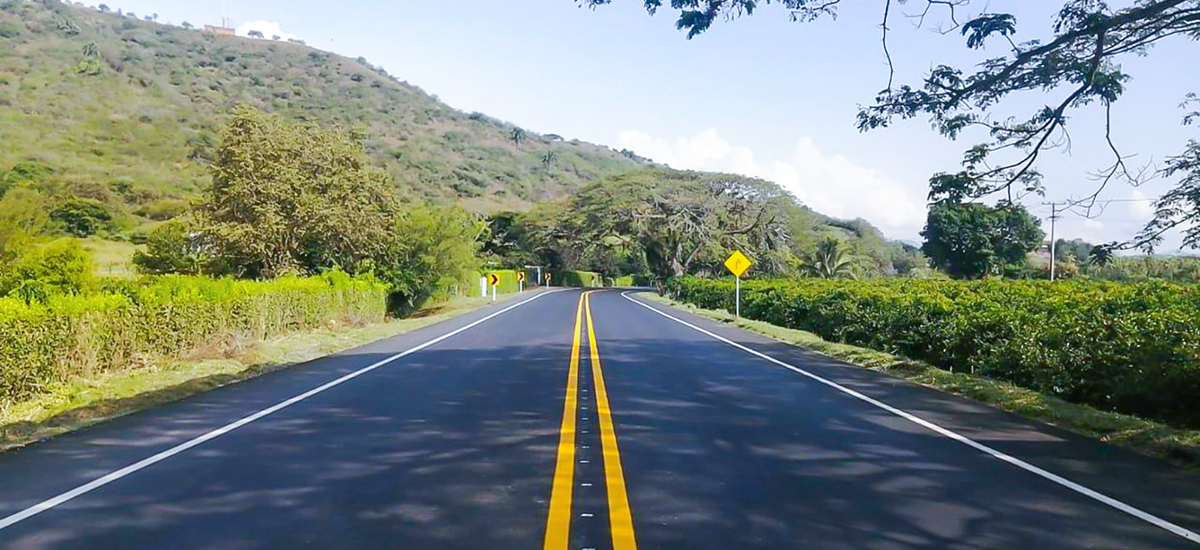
column 1140, row 435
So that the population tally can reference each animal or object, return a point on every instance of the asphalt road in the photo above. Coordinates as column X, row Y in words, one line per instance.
column 513, row 428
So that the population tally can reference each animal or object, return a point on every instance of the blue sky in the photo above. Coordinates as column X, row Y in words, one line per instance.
column 758, row 95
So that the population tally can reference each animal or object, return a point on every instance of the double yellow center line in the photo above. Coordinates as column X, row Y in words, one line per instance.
column 620, row 516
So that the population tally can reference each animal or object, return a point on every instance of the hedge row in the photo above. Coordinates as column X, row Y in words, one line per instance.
column 44, row 343
column 579, row 279
column 1132, row 348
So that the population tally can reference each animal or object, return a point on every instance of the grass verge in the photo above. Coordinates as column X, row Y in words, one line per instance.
column 1140, row 435
column 89, row 399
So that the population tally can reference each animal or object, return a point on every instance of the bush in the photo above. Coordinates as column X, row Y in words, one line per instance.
column 82, row 217
column 1132, row 348
column 9, row 29
column 43, row 343
column 170, row 248
column 61, row 267
column 579, row 279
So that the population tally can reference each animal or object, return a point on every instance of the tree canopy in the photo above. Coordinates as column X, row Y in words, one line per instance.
column 972, row 240
column 293, row 197
column 1078, row 64
column 657, row 222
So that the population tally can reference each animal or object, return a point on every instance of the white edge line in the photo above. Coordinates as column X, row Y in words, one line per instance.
column 1144, row 516
column 146, row 462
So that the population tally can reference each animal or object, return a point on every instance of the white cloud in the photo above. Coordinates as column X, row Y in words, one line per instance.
column 830, row 184
column 268, row 28
column 1140, row 207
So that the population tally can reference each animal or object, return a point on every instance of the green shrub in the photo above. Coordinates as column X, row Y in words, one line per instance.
column 60, row 267
column 170, row 248
column 9, row 29
column 82, row 217
column 43, row 343
column 579, row 279
column 22, row 172
column 1132, row 348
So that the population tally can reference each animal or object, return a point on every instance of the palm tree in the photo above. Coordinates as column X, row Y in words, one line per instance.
column 517, row 135
column 829, row 261
column 548, row 159
column 1100, row 256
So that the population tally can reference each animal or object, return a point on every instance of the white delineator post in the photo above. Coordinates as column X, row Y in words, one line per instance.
column 493, row 293
column 737, row 298
column 483, row 284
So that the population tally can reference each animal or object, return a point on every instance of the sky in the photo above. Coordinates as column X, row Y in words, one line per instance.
column 761, row 95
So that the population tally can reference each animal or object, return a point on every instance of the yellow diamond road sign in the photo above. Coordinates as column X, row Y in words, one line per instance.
column 738, row 263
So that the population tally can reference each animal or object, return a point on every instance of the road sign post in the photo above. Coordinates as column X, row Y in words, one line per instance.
column 520, row 281
column 737, row 264
column 494, row 280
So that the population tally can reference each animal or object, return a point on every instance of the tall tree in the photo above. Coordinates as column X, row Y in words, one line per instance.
column 1080, row 58
column 972, row 240
column 291, row 196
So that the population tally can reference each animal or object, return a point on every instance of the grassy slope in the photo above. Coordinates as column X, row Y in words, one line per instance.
column 162, row 92
column 1143, row 436
column 89, row 399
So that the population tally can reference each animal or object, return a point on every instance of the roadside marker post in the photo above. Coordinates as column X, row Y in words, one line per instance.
column 737, row 264
column 494, row 280
column 520, row 281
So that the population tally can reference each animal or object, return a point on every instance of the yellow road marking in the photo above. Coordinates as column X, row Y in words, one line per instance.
column 558, row 522
column 620, row 516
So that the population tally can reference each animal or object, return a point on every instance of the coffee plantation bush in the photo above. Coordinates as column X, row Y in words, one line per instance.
column 43, row 343
column 1133, row 348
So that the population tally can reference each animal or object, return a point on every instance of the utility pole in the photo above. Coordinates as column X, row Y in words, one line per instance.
column 1053, row 220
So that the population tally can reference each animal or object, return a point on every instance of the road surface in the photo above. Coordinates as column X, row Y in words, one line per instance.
column 585, row 421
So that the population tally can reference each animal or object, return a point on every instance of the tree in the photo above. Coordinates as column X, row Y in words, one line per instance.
column 829, row 261
column 186, row 25
column 1081, row 58
column 22, row 215
column 104, row 8
column 549, row 159
column 276, row 37
column 292, row 197
column 90, row 63
column 1078, row 248
column 1100, row 256
column 62, row 266
column 435, row 248
column 173, row 247
column 82, row 217
column 972, row 240
column 664, row 223
column 255, row 34
column 516, row 135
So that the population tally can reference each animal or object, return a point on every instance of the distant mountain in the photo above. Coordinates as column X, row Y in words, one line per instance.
column 108, row 99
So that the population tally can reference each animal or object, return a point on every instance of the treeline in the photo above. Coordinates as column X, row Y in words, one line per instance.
column 658, row 223
column 1124, row 347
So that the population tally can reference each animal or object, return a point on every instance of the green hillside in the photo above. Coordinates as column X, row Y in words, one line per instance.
column 134, row 113
column 112, row 120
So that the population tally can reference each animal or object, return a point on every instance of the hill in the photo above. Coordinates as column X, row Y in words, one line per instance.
column 115, row 117
column 111, row 101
